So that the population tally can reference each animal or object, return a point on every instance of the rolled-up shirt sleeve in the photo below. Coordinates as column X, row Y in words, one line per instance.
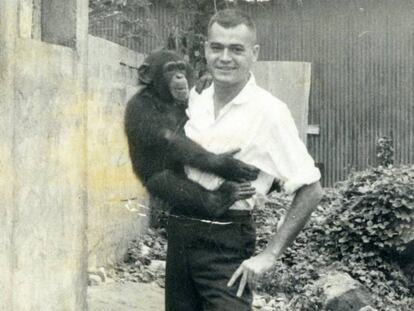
column 287, row 157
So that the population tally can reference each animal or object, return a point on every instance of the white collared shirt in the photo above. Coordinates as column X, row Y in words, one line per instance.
column 263, row 127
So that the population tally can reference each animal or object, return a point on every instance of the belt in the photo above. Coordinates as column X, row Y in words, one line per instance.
column 230, row 217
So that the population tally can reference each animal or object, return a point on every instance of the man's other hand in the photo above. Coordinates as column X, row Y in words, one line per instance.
column 252, row 269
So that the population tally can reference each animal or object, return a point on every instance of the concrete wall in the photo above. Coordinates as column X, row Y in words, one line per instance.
column 62, row 152
column 49, row 178
column 114, row 195
column 43, row 226
column 7, row 40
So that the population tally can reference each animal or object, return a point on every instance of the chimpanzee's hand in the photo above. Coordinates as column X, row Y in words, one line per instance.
column 204, row 82
column 237, row 191
column 232, row 169
column 226, row 195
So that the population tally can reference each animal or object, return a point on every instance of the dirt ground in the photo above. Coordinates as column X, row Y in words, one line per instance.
column 126, row 296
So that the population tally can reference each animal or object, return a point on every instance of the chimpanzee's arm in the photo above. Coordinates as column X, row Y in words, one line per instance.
column 191, row 199
column 156, row 128
column 187, row 152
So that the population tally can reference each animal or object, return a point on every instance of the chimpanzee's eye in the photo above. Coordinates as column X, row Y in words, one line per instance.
column 170, row 66
column 181, row 65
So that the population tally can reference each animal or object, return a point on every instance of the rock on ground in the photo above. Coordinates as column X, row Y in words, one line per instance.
column 343, row 293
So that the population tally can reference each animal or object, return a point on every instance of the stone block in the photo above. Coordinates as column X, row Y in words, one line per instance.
column 157, row 266
column 343, row 293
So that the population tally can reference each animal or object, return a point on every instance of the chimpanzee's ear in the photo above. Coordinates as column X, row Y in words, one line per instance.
column 144, row 74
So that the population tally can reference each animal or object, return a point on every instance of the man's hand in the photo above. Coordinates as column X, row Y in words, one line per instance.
column 234, row 170
column 304, row 202
column 251, row 269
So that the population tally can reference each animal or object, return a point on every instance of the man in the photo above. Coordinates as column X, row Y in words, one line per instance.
column 209, row 264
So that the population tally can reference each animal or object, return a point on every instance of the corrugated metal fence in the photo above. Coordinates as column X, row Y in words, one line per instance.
column 362, row 55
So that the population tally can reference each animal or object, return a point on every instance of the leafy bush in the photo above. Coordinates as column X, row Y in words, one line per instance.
column 376, row 210
column 385, row 151
column 360, row 228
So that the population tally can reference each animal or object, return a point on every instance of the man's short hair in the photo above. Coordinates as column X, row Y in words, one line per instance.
column 229, row 18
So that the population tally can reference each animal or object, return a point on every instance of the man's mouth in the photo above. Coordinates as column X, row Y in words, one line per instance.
column 225, row 68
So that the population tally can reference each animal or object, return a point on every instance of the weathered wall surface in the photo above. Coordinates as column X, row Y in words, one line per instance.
column 7, row 40
column 49, row 178
column 43, row 246
column 114, row 194
column 62, row 153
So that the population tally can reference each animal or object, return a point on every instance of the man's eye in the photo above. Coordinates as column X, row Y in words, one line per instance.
column 215, row 47
column 237, row 50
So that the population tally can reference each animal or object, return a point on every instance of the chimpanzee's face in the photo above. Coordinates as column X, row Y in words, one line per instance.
column 175, row 74
column 168, row 75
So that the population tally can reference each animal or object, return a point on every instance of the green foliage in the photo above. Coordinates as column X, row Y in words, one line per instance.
column 385, row 151
column 376, row 210
column 189, row 38
column 134, row 19
column 198, row 12
column 359, row 228
column 105, row 8
column 125, row 13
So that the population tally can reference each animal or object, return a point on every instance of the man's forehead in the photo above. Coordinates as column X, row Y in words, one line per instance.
column 233, row 34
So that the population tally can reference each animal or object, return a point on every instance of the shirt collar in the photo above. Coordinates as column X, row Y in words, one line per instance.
column 244, row 94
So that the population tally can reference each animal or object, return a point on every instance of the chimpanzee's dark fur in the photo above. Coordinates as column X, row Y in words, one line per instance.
column 159, row 150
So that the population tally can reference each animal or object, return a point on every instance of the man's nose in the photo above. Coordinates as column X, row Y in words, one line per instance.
column 225, row 55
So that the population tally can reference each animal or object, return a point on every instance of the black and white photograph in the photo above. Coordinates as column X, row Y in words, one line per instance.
column 207, row 155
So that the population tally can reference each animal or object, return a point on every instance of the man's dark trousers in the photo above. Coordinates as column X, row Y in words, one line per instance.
column 201, row 259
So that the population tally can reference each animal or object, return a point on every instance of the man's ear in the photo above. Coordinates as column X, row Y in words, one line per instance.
column 144, row 74
column 256, row 50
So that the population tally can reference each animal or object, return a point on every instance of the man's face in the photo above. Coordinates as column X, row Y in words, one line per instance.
column 230, row 53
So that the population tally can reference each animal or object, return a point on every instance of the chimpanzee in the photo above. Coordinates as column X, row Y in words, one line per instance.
column 159, row 149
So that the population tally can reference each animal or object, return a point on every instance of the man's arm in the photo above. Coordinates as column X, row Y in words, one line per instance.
column 305, row 201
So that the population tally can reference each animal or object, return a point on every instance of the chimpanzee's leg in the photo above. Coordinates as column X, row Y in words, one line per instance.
column 190, row 198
